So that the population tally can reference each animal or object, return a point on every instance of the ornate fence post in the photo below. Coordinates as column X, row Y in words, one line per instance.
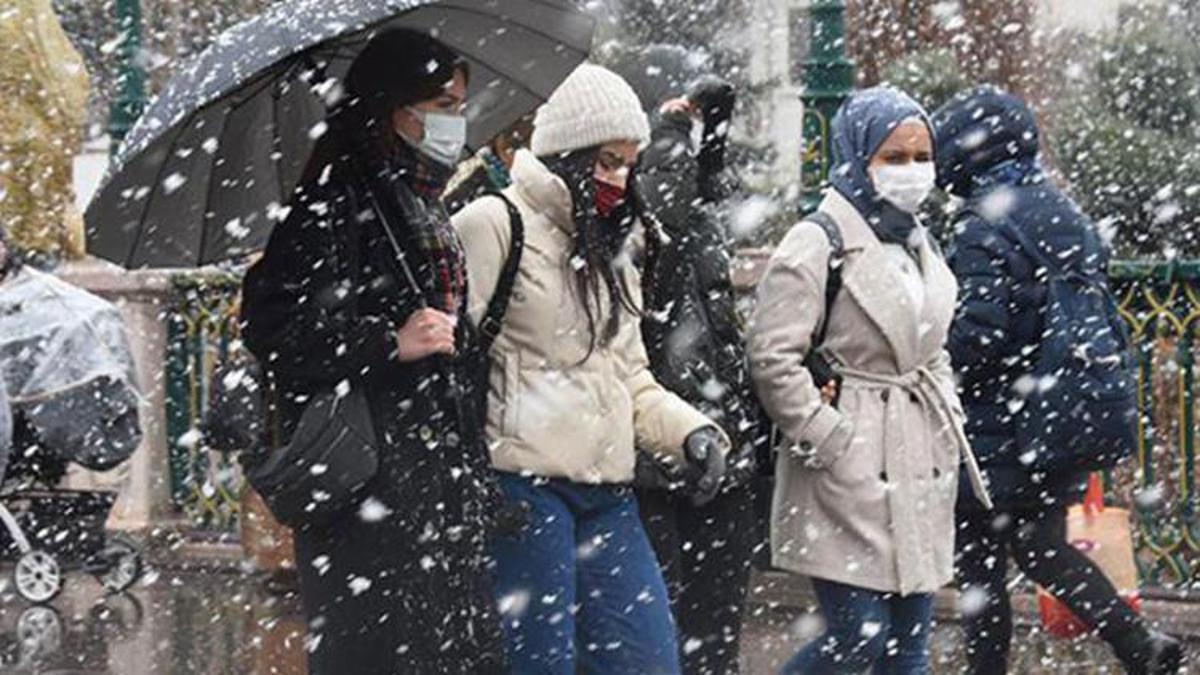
column 1161, row 303
column 130, row 97
column 828, row 79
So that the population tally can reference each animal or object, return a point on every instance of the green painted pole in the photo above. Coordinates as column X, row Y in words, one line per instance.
column 129, row 99
column 828, row 79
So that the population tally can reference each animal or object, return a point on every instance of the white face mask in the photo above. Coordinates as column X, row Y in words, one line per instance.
column 906, row 186
column 445, row 136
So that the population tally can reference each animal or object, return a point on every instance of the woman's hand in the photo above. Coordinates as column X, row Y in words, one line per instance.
column 678, row 105
column 705, row 462
column 829, row 392
column 425, row 333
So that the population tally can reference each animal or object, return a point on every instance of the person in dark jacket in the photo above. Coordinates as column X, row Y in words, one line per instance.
column 987, row 154
column 693, row 337
column 489, row 170
column 400, row 584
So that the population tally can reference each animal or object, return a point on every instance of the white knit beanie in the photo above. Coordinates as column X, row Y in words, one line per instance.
column 593, row 106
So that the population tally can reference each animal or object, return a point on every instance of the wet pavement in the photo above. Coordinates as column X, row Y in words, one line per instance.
column 178, row 622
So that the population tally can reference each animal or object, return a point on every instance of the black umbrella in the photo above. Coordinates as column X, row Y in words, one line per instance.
column 205, row 172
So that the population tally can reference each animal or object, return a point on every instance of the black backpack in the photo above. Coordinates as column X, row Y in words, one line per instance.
column 818, row 365
column 478, row 356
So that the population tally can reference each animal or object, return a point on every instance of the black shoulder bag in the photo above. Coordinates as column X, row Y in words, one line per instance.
column 324, row 469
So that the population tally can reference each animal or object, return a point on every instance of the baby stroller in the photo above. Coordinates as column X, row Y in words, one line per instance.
column 67, row 372
column 49, row 531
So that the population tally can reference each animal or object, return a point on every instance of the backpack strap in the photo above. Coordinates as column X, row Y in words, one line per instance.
column 493, row 319
column 833, row 280
column 1032, row 249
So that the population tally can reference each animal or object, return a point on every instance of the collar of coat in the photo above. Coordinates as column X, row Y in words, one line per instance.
column 870, row 279
column 545, row 192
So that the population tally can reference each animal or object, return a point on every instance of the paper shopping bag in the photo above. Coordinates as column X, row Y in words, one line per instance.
column 1104, row 535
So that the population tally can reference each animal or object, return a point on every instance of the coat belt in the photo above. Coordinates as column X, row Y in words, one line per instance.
column 922, row 384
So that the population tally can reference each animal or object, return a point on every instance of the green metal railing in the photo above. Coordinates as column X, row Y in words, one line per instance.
column 201, row 332
column 1161, row 302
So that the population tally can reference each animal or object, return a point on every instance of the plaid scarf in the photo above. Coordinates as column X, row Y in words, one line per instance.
column 434, row 234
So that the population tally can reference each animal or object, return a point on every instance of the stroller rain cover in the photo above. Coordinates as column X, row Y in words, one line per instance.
column 66, row 361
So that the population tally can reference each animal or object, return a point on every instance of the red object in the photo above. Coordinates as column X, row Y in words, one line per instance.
column 1057, row 619
column 608, row 197
column 1093, row 499
column 1060, row 622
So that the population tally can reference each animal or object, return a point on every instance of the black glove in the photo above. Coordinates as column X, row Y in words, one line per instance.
column 706, row 464
column 715, row 99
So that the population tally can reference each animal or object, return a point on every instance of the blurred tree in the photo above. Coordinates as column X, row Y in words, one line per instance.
column 992, row 41
column 43, row 96
column 932, row 77
column 881, row 31
column 1127, row 138
column 171, row 31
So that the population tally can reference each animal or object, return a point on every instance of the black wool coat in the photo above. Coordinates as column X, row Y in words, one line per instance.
column 400, row 584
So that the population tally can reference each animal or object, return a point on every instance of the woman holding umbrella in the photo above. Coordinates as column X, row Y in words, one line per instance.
column 365, row 282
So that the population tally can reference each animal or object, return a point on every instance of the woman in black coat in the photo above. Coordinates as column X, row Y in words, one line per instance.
column 398, row 584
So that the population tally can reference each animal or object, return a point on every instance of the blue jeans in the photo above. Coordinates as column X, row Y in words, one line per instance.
column 867, row 630
column 580, row 590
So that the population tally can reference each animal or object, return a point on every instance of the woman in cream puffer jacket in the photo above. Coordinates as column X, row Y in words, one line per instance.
column 571, row 397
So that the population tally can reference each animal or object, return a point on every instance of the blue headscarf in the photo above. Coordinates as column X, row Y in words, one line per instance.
column 864, row 122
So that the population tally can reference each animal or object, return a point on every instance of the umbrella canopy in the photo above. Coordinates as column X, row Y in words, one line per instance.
column 206, row 171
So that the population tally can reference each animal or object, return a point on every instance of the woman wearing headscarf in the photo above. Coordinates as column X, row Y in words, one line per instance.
column 363, row 285
column 571, row 394
column 866, row 480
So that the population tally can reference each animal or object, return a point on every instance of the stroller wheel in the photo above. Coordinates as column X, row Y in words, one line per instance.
column 38, row 576
column 39, row 633
column 124, row 565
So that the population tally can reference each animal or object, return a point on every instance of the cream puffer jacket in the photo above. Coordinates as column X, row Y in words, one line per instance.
column 550, row 412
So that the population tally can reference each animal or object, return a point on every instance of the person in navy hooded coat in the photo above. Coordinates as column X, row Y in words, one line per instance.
column 987, row 154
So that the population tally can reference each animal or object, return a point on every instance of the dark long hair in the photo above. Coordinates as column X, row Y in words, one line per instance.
column 396, row 68
column 598, row 241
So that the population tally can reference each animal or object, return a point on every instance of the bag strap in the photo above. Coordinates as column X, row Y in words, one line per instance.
column 493, row 319
column 833, row 280
column 405, row 199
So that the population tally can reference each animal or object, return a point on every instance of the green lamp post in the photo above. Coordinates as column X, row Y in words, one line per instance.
column 130, row 96
column 828, row 79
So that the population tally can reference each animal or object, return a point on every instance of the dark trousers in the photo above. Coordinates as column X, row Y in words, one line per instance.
column 705, row 554
column 865, row 630
column 1037, row 540
column 579, row 590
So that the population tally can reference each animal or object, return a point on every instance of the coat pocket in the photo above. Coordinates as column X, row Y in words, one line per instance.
column 826, row 438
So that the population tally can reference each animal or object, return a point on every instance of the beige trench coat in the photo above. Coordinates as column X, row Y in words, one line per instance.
column 864, row 493
column 552, row 413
